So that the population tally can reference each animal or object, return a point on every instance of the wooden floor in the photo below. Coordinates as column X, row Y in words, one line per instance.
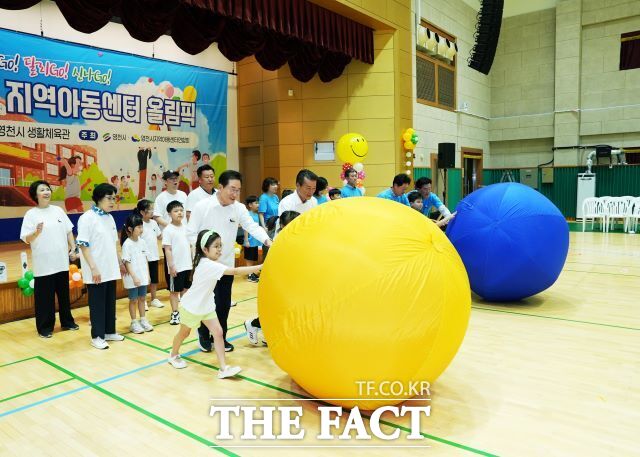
column 556, row 375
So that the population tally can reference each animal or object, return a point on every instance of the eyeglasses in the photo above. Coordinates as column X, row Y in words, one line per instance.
column 111, row 198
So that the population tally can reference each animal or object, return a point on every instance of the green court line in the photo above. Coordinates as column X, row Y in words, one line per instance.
column 139, row 409
column 298, row 395
column 555, row 318
column 18, row 361
column 246, row 299
column 36, row 390
column 600, row 273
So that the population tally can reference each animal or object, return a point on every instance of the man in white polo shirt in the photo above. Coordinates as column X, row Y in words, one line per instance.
column 302, row 199
column 222, row 213
column 206, row 179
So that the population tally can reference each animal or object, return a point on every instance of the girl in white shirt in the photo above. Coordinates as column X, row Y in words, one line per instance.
column 151, row 233
column 198, row 303
column 101, row 264
column 134, row 256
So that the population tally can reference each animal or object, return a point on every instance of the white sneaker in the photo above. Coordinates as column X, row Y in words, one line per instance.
column 234, row 303
column 146, row 307
column 252, row 332
column 177, row 362
column 113, row 337
column 157, row 303
column 99, row 343
column 146, row 325
column 228, row 371
column 136, row 326
column 175, row 318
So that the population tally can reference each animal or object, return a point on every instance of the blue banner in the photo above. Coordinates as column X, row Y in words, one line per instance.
column 77, row 116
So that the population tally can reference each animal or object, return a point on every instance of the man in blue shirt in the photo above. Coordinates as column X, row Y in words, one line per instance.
column 429, row 199
column 397, row 191
column 350, row 189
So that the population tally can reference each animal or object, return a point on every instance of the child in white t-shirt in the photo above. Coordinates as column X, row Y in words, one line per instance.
column 198, row 304
column 177, row 253
column 151, row 233
column 134, row 256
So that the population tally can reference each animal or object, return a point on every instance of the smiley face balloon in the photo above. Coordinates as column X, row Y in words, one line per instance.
column 352, row 148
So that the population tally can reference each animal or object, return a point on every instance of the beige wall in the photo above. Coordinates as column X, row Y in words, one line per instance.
column 373, row 100
column 555, row 82
column 436, row 125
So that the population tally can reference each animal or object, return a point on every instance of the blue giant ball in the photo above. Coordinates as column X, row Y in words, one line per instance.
column 512, row 240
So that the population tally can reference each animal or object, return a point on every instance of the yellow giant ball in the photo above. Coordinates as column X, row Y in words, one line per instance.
column 394, row 307
column 189, row 94
column 352, row 148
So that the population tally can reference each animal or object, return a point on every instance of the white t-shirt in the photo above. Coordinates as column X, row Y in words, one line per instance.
column 50, row 250
column 199, row 299
column 99, row 232
column 292, row 202
column 160, row 205
column 209, row 214
column 196, row 196
column 176, row 237
column 150, row 234
column 135, row 253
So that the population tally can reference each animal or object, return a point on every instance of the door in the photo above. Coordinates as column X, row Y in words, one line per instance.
column 251, row 169
column 471, row 170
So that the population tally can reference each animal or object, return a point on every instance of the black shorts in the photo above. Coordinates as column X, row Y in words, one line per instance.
column 251, row 253
column 153, row 271
column 180, row 282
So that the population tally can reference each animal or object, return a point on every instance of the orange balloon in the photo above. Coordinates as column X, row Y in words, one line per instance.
column 73, row 268
column 72, row 285
column 79, row 284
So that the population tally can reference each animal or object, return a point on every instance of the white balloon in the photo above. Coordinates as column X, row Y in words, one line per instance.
column 409, row 154
column 76, row 276
column 364, row 191
column 32, row 283
column 408, row 164
column 408, row 172
column 358, row 167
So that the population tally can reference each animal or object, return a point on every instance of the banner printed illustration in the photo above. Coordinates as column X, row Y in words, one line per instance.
column 78, row 116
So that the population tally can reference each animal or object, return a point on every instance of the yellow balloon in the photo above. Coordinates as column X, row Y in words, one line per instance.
column 352, row 148
column 189, row 94
column 406, row 136
column 409, row 145
column 410, row 131
column 407, row 303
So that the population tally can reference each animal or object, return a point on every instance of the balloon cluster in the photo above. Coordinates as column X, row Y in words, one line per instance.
column 352, row 149
column 410, row 139
column 75, row 277
column 26, row 283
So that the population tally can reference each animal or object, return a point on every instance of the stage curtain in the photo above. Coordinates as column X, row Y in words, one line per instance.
column 309, row 38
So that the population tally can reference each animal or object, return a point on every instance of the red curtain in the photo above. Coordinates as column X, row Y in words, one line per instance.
column 630, row 50
column 309, row 38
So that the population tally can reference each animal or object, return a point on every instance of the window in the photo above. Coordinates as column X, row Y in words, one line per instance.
column 630, row 50
column 435, row 67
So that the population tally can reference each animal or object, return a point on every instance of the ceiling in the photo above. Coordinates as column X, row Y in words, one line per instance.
column 517, row 7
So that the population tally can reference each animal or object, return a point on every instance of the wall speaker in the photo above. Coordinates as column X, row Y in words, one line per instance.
column 486, row 36
column 446, row 155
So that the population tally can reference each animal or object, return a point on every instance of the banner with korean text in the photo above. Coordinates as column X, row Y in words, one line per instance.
column 77, row 116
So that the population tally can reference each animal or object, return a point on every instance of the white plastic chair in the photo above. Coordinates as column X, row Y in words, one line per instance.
column 630, row 201
column 634, row 216
column 592, row 209
column 617, row 208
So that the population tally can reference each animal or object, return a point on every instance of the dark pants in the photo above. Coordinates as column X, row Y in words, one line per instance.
column 222, row 293
column 45, row 290
column 102, row 308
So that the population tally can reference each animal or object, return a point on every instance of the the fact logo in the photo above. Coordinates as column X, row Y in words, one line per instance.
column 335, row 423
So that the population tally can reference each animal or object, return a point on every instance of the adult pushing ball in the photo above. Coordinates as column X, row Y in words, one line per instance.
column 363, row 290
column 512, row 240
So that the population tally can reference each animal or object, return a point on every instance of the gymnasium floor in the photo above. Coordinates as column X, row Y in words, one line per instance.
column 556, row 375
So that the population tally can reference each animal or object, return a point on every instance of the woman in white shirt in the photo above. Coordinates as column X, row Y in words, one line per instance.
column 101, row 264
column 48, row 230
